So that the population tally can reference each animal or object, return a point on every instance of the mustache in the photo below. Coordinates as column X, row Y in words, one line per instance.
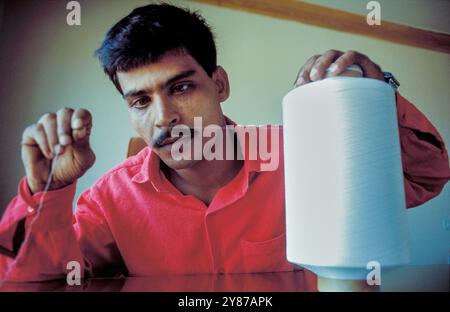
column 158, row 141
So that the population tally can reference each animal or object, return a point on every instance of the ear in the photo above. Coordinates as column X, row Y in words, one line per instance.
column 220, row 78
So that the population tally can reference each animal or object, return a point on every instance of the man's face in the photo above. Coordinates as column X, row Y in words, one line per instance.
column 172, row 92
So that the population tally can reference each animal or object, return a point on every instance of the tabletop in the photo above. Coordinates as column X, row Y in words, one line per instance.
column 405, row 279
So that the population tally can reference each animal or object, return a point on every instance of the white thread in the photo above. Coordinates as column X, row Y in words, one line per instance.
column 38, row 211
column 47, row 184
column 345, row 201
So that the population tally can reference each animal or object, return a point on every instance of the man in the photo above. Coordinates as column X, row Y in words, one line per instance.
column 154, row 213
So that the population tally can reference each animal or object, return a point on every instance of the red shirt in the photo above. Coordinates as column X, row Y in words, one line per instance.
column 134, row 221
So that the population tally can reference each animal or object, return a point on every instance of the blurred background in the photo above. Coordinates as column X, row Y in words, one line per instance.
column 45, row 64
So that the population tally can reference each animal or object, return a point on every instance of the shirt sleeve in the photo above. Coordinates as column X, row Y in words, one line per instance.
column 38, row 246
column 424, row 155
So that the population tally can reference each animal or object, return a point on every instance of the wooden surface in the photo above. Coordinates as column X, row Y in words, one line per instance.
column 325, row 17
column 407, row 278
column 135, row 145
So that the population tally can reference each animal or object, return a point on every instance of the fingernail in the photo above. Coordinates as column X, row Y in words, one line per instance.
column 313, row 73
column 332, row 69
column 77, row 123
column 65, row 140
column 299, row 82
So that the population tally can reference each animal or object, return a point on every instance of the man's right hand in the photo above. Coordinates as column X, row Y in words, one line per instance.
column 68, row 128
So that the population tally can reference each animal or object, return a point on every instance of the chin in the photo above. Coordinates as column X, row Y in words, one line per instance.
column 178, row 164
column 166, row 157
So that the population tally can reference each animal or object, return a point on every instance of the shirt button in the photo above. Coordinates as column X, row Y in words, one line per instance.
column 30, row 209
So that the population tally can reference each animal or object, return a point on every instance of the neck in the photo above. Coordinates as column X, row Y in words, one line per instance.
column 206, row 177
column 207, row 174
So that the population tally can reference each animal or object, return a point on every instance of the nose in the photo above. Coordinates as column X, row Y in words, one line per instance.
column 167, row 115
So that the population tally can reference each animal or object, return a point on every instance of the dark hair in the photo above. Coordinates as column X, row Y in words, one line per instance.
column 150, row 31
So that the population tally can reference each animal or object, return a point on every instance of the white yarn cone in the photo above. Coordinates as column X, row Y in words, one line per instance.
column 345, row 200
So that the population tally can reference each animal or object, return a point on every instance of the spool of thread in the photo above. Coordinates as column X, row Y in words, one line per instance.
column 345, row 200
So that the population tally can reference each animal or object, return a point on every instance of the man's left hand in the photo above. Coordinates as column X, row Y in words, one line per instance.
column 315, row 68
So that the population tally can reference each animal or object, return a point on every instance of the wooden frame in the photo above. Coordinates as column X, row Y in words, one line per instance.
column 340, row 20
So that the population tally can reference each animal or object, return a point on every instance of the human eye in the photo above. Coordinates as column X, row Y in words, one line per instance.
column 182, row 87
column 140, row 103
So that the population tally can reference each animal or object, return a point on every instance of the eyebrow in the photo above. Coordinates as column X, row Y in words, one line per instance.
column 184, row 74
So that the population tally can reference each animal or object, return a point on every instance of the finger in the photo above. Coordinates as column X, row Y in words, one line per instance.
column 48, row 121
column 303, row 74
column 35, row 135
column 63, row 118
column 345, row 60
column 81, row 125
column 370, row 69
column 322, row 63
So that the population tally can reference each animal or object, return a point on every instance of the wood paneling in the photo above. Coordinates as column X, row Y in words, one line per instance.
column 340, row 20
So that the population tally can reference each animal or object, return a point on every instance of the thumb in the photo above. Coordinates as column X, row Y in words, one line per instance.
column 81, row 124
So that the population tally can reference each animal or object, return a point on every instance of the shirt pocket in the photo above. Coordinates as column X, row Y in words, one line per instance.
column 265, row 256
